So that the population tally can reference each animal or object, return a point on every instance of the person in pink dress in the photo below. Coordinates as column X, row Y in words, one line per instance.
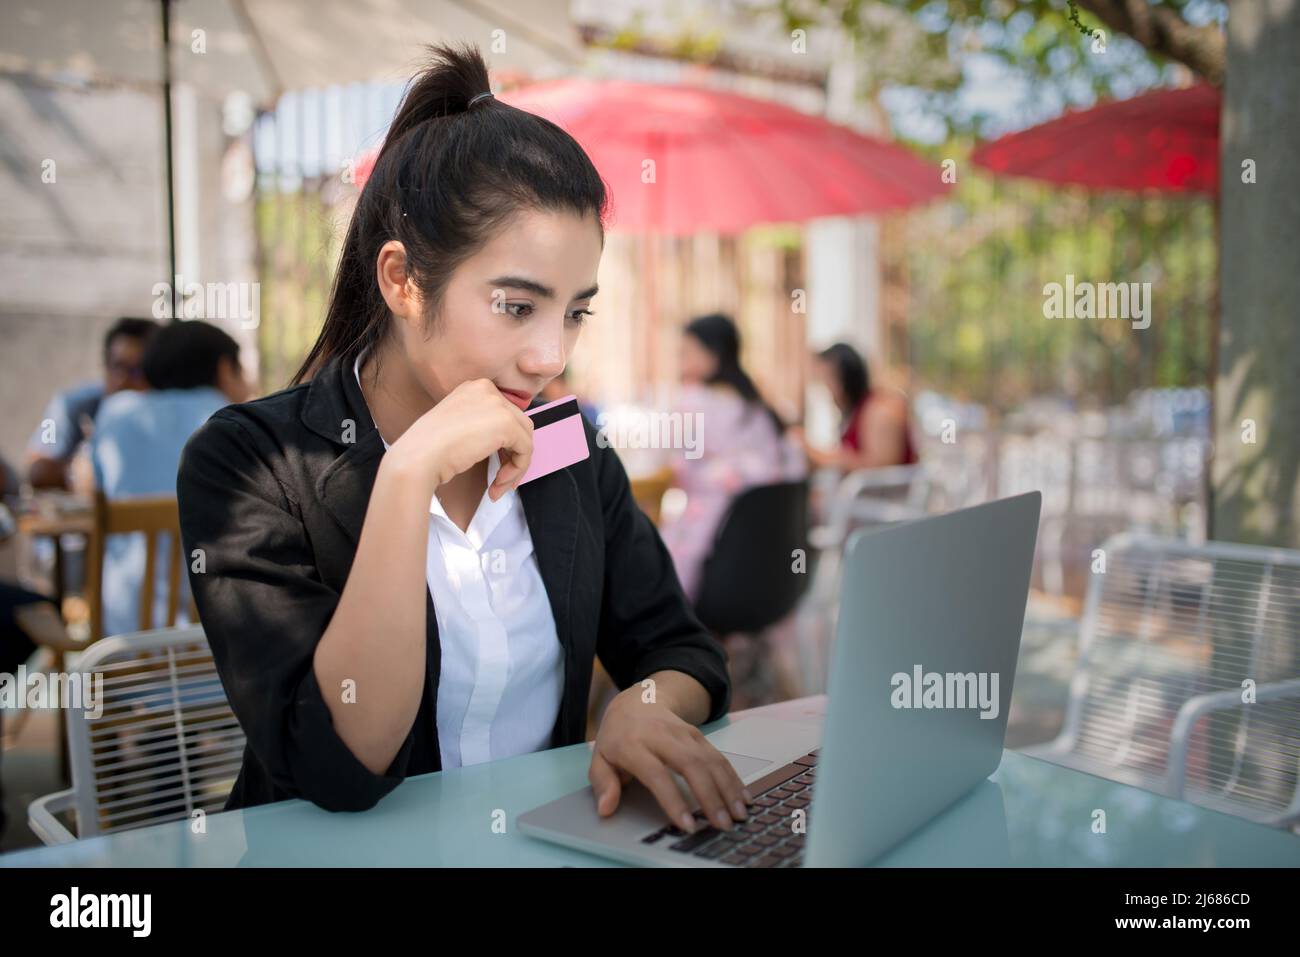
column 744, row 443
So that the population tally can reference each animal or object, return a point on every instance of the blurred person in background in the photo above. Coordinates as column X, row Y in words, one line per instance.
column 16, row 646
column 744, row 442
column 27, row 618
column 874, row 423
column 63, row 427
column 192, row 369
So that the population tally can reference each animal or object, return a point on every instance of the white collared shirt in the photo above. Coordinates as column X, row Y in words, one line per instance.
column 502, row 672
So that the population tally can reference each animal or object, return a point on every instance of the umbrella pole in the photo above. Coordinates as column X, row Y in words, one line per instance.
column 168, row 162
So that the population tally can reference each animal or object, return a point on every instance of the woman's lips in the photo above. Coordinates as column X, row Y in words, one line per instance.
column 521, row 399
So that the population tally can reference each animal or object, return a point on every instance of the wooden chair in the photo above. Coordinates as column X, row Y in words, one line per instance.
column 648, row 490
column 151, row 517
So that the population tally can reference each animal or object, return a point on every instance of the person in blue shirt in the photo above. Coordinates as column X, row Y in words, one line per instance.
column 192, row 369
column 62, row 428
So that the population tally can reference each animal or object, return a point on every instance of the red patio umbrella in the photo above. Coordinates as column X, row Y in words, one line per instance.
column 724, row 162
column 1165, row 140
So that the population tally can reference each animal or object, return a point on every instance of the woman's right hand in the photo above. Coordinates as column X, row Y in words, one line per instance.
column 472, row 422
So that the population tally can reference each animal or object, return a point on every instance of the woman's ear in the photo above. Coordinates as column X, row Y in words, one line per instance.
column 395, row 283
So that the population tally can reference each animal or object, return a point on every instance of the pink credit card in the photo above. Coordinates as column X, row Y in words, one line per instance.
column 559, row 440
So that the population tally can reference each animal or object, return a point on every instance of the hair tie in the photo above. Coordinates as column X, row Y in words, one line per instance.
column 478, row 97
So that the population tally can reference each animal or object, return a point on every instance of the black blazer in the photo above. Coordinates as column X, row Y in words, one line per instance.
column 275, row 498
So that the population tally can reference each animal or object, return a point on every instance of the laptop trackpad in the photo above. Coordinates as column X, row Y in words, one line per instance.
column 754, row 744
column 744, row 764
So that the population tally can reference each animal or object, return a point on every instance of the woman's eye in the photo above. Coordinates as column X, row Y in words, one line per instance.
column 579, row 316
column 525, row 307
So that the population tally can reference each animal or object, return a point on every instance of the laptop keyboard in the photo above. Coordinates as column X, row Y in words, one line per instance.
column 768, row 837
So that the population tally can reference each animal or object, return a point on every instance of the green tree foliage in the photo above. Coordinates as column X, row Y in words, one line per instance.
column 926, row 46
column 974, row 269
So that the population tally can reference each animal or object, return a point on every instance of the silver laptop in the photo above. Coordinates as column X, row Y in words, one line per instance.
column 925, row 651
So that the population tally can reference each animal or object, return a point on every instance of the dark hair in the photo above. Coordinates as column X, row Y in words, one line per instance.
column 719, row 335
column 850, row 371
column 446, row 178
column 186, row 353
column 142, row 329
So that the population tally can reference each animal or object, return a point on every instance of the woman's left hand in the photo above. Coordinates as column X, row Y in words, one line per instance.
column 647, row 741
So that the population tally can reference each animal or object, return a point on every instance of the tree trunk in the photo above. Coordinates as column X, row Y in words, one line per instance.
column 1255, row 485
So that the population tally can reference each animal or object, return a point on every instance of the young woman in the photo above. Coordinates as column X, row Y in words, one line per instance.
column 745, row 443
column 382, row 600
column 874, row 426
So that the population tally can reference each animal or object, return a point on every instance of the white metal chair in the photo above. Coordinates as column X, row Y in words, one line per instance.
column 871, row 497
column 1174, row 640
column 164, row 744
column 864, row 498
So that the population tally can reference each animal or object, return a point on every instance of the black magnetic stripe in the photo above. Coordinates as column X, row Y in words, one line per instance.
column 555, row 414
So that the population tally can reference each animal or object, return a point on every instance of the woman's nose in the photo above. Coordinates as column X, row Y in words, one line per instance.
column 545, row 358
column 546, row 366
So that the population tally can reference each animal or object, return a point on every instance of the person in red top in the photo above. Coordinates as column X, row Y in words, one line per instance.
column 875, row 431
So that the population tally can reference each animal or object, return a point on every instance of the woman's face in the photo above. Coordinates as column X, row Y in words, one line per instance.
column 512, row 312
column 697, row 363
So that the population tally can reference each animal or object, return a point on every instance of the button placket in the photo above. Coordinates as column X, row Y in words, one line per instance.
column 462, row 555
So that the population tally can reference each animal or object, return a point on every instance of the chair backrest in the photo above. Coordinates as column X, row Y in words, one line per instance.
column 164, row 743
column 648, row 490
column 751, row 578
column 154, row 518
column 891, row 483
column 1167, row 621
